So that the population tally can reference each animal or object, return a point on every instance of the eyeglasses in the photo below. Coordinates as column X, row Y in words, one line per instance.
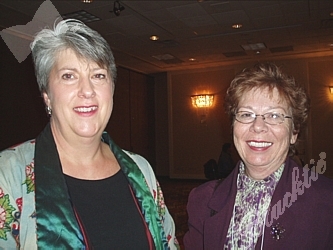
column 271, row 118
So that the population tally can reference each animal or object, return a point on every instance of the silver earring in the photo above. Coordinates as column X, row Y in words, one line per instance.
column 48, row 110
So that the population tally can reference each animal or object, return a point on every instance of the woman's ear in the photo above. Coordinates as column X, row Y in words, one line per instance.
column 293, row 137
column 46, row 99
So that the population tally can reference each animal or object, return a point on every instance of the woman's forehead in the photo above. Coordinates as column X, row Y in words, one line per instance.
column 69, row 52
column 264, row 96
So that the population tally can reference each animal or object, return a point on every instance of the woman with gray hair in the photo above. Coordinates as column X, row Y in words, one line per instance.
column 73, row 187
column 268, row 201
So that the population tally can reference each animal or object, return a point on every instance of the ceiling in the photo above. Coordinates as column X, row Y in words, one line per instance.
column 198, row 29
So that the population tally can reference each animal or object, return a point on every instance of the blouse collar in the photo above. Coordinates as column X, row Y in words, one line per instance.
column 247, row 182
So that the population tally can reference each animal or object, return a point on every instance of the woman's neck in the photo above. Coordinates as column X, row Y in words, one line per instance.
column 85, row 158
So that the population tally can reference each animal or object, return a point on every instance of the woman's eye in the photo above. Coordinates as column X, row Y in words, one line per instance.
column 274, row 115
column 67, row 76
column 100, row 76
column 246, row 115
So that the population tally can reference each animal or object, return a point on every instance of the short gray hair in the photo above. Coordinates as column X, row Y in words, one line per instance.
column 69, row 34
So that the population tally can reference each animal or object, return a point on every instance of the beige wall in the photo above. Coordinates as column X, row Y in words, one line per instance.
column 321, row 77
column 192, row 142
column 196, row 135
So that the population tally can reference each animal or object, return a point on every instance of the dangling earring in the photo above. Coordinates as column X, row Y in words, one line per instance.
column 49, row 111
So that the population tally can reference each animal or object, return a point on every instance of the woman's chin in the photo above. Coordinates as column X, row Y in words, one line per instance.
column 257, row 163
column 88, row 131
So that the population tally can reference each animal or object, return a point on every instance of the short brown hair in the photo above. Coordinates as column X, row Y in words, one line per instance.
column 268, row 75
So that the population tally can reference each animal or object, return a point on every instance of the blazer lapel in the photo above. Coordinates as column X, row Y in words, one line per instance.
column 280, row 221
column 221, row 205
column 57, row 226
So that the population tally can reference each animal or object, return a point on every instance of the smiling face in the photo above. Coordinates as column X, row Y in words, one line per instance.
column 80, row 95
column 263, row 147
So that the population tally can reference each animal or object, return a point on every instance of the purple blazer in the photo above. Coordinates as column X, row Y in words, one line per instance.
column 302, row 205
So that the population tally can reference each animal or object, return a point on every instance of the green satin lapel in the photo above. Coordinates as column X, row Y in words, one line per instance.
column 57, row 227
column 142, row 193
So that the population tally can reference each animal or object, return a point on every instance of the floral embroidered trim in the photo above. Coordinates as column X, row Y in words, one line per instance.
column 30, row 180
column 6, row 217
column 16, row 222
column 160, row 201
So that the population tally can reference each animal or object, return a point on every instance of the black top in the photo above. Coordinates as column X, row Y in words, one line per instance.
column 108, row 212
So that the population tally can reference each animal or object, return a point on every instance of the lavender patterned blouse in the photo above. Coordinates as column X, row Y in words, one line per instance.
column 250, row 209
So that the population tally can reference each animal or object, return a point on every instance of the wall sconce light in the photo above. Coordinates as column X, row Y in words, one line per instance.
column 202, row 100
column 331, row 89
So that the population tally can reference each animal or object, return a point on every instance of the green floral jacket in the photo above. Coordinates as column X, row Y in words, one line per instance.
column 35, row 208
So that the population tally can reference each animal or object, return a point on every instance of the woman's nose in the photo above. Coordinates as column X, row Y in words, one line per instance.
column 259, row 124
column 86, row 88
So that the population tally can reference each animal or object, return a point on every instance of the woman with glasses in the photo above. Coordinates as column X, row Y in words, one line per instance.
column 268, row 201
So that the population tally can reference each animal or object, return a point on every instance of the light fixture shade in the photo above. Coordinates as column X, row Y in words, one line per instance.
column 202, row 101
column 331, row 89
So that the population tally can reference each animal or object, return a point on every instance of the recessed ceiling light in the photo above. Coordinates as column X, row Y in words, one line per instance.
column 237, row 26
column 164, row 57
column 154, row 38
column 86, row 1
column 81, row 15
column 254, row 46
column 192, row 59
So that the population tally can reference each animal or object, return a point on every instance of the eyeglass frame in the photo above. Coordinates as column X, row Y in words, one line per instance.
column 263, row 117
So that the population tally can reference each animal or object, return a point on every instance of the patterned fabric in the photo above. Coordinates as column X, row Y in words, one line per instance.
column 17, row 197
column 252, row 201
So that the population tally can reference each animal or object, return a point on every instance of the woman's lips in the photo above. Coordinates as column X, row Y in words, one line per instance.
column 259, row 145
column 85, row 109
